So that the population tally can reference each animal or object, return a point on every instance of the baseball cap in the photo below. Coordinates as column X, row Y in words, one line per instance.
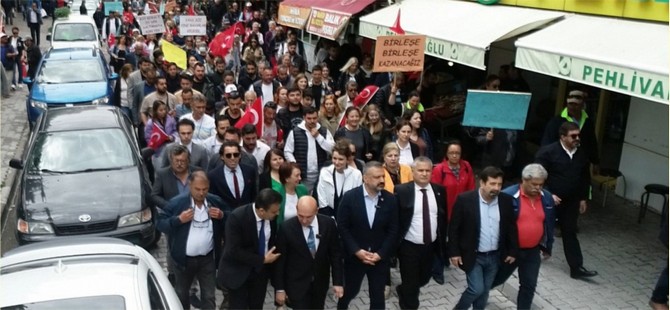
column 231, row 88
column 248, row 3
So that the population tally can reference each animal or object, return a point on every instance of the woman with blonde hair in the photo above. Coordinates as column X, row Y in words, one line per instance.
column 373, row 122
column 350, row 72
column 330, row 114
column 301, row 81
column 394, row 172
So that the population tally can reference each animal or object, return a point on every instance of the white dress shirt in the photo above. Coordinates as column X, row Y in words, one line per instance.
column 370, row 206
column 415, row 232
column 406, row 157
column 229, row 179
column 266, row 229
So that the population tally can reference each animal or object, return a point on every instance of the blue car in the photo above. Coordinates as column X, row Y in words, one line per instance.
column 70, row 77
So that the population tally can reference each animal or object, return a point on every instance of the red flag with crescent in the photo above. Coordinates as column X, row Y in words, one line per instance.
column 396, row 26
column 361, row 100
column 253, row 115
column 158, row 137
column 191, row 11
column 223, row 42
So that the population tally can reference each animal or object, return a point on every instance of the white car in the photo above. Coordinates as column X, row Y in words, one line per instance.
column 84, row 273
column 74, row 31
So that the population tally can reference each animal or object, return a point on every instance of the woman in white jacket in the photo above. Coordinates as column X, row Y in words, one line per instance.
column 336, row 179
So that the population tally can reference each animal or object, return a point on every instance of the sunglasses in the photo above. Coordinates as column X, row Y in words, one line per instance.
column 574, row 136
column 232, row 155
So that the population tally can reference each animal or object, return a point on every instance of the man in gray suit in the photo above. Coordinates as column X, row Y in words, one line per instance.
column 136, row 87
column 173, row 180
column 198, row 154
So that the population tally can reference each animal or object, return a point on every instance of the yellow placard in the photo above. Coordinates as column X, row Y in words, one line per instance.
column 173, row 53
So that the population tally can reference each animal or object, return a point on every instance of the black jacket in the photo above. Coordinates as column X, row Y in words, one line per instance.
column 569, row 179
column 405, row 194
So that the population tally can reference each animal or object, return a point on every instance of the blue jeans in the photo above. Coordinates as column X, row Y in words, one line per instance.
column 528, row 262
column 480, row 279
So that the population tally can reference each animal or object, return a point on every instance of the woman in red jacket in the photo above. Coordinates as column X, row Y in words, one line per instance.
column 456, row 175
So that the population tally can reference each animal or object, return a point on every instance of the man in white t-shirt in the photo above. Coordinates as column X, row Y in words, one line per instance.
column 204, row 124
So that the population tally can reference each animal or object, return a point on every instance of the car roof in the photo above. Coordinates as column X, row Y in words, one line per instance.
column 75, row 53
column 75, row 18
column 81, row 118
column 72, row 268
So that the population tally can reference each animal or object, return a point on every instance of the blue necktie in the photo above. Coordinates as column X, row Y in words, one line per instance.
column 311, row 242
column 261, row 239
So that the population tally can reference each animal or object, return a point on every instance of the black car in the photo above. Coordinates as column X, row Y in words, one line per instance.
column 83, row 174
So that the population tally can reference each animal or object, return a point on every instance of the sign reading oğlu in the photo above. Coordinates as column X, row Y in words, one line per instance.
column 326, row 24
column 399, row 53
column 292, row 16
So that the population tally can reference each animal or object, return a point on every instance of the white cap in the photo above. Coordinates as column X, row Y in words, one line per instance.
column 230, row 88
column 249, row 3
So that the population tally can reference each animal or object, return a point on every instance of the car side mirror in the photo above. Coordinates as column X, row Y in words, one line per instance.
column 114, row 76
column 28, row 81
column 16, row 163
column 48, row 37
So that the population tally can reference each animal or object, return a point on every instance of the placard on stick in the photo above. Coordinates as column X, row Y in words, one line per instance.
column 494, row 109
column 151, row 23
column 399, row 53
column 192, row 25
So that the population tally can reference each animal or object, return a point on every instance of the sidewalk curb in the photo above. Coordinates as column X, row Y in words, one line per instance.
column 13, row 175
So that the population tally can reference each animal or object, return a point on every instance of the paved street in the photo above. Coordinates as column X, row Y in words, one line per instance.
column 628, row 256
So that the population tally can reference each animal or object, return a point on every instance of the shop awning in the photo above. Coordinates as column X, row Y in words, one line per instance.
column 294, row 13
column 623, row 56
column 328, row 18
column 458, row 31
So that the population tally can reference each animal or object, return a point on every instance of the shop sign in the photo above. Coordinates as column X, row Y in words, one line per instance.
column 327, row 24
column 293, row 16
column 403, row 53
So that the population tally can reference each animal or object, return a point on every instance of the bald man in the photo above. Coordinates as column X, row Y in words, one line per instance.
column 193, row 221
column 310, row 248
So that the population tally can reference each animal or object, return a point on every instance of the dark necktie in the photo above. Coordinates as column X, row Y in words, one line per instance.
column 426, row 219
column 311, row 241
column 261, row 239
column 236, row 184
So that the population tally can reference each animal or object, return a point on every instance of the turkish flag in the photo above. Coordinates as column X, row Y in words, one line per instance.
column 365, row 96
column 111, row 40
column 396, row 26
column 191, row 11
column 158, row 137
column 128, row 17
column 253, row 115
column 223, row 42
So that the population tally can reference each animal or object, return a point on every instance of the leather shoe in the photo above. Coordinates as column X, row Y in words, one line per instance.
column 438, row 279
column 582, row 273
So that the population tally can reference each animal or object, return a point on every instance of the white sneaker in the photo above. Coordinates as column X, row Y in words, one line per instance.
column 20, row 86
column 13, row 87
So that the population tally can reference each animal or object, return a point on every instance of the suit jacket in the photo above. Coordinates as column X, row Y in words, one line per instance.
column 405, row 194
column 240, row 251
column 219, row 186
column 352, row 221
column 165, row 186
column 296, row 269
column 177, row 232
column 198, row 156
column 465, row 225
column 135, row 94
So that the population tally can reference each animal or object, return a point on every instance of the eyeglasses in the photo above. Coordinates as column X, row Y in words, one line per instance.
column 204, row 223
column 574, row 135
column 232, row 155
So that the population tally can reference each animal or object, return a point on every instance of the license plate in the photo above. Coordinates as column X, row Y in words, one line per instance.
column 69, row 105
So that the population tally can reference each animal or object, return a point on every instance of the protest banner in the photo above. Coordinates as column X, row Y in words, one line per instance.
column 113, row 6
column 293, row 16
column 152, row 23
column 193, row 25
column 327, row 24
column 173, row 53
column 494, row 109
column 399, row 53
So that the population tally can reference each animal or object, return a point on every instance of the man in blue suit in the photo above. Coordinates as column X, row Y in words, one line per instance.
column 368, row 222
column 193, row 222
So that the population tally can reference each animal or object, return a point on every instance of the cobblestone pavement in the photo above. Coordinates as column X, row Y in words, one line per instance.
column 628, row 257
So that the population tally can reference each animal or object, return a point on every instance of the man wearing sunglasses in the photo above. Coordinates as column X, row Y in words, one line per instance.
column 574, row 112
column 233, row 182
column 569, row 181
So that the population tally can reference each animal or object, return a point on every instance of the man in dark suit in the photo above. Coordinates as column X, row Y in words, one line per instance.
column 193, row 223
column 173, row 180
column 569, row 181
column 482, row 233
column 249, row 250
column 368, row 222
column 423, row 231
column 310, row 248
column 197, row 153
column 234, row 183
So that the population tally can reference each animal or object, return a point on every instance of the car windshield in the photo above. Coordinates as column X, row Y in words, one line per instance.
column 98, row 302
column 71, row 71
column 74, row 32
column 80, row 151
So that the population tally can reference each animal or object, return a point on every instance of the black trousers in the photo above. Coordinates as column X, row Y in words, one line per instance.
column 203, row 269
column 354, row 271
column 568, row 213
column 35, row 32
column 251, row 295
column 313, row 299
column 416, row 265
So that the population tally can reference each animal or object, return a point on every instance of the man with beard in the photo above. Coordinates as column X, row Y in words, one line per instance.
column 296, row 60
column 199, row 77
column 266, row 87
column 204, row 124
column 367, row 219
column 252, row 146
column 162, row 94
column 34, row 55
column 136, row 87
column 319, row 88
column 249, row 76
column 482, row 236
column 185, row 83
column 215, row 14
column 213, row 143
column 292, row 115
column 283, row 77
column 216, row 77
column 309, row 145
column 197, row 153
column 234, row 109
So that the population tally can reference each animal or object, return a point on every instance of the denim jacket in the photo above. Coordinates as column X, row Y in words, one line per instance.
column 547, row 241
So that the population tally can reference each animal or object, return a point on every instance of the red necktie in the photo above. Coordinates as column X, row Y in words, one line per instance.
column 236, row 185
column 427, row 235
